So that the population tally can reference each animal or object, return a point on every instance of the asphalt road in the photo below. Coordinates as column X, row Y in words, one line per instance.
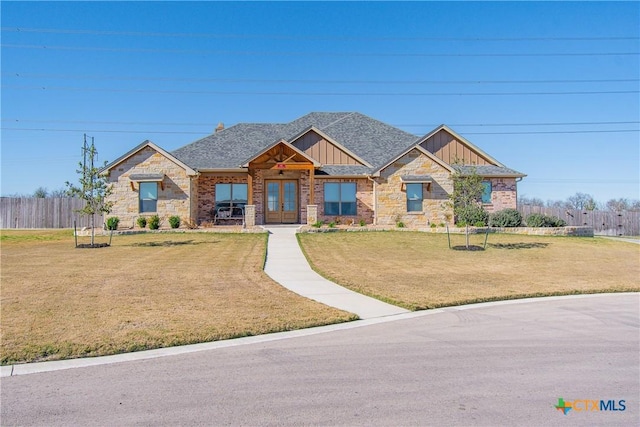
column 503, row 364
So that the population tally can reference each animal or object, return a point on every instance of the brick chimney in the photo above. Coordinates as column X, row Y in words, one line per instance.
column 219, row 127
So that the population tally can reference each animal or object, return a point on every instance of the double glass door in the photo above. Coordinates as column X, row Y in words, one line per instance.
column 282, row 202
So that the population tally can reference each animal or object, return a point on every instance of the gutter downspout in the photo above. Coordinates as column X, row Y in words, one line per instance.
column 517, row 181
column 375, row 200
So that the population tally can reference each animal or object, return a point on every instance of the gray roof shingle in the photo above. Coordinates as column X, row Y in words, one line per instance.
column 487, row 170
column 368, row 138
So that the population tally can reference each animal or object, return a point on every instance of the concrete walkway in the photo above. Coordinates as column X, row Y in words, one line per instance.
column 287, row 265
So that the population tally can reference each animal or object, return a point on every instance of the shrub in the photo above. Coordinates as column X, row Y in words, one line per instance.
column 362, row 223
column 433, row 225
column 400, row 224
column 472, row 215
column 317, row 224
column 505, row 218
column 540, row 220
column 154, row 222
column 332, row 224
column 142, row 222
column 174, row 221
column 112, row 223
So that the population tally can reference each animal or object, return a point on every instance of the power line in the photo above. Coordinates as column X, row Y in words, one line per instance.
column 316, row 53
column 393, row 124
column 302, row 37
column 291, row 93
column 200, row 133
column 310, row 81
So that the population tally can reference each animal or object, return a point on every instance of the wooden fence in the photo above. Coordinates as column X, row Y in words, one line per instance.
column 43, row 213
column 604, row 223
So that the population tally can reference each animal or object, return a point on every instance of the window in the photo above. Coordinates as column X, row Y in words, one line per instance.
column 148, row 196
column 414, row 197
column 229, row 195
column 340, row 198
column 486, row 194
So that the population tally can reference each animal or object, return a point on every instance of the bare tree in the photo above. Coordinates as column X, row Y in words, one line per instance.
column 617, row 205
column 581, row 201
column 530, row 201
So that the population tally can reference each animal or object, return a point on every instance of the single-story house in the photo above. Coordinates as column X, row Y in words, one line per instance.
column 324, row 166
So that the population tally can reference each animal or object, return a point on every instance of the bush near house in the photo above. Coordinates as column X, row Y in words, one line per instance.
column 505, row 218
column 540, row 220
column 141, row 221
column 154, row 222
column 473, row 215
column 174, row 221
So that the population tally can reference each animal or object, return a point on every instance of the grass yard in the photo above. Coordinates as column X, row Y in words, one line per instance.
column 145, row 291
column 419, row 271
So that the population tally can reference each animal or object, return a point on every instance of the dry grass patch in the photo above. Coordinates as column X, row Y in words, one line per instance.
column 419, row 271
column 146, row 291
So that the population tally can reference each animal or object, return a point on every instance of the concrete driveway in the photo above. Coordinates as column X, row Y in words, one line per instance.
column 488, row 364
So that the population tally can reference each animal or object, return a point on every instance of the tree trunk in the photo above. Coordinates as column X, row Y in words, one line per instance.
column 92, row 228
column 467, row 233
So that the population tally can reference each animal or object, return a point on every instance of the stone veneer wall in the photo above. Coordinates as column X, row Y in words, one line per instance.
column 364, row 200
column 503, row 194
column 392, row 198
column 173, row 200
column 206, row 194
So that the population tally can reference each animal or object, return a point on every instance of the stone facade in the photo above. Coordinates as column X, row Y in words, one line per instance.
column 391, row 204
column 174, row 191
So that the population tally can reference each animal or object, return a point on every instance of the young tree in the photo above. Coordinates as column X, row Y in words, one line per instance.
column 466, row 199
column 93, row 188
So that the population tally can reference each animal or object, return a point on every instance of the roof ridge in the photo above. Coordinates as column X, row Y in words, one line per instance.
column 338, row 120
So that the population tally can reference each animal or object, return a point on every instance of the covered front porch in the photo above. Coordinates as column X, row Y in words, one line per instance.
column 277, row 187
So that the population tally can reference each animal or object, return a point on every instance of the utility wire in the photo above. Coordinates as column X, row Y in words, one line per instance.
column 208, row 133
column 396, row 124
column 301, row 37
column 310, row 81
column 291, row 93
column 314, row 53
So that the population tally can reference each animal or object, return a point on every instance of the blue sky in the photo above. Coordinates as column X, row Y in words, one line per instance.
column 549, row 89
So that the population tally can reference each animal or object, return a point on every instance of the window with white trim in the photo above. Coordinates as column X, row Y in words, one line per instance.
column 414, row 197
column 148, row 196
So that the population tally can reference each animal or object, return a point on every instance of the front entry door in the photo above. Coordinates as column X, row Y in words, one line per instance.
column 282, row 202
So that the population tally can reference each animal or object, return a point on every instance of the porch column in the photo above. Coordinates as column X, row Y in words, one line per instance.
column 312, row 185
column 250, row 188
column 312, row 214
column 250, row 215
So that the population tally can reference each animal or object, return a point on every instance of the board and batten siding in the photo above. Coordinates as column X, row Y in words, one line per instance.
column 44, row 213
column 323, row 151
column 449, row 149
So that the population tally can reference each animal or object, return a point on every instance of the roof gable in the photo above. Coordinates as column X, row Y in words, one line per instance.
column 452, row 148
column 325, row 149
column 280, row 153
column 154, row 147
column 411, row 148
